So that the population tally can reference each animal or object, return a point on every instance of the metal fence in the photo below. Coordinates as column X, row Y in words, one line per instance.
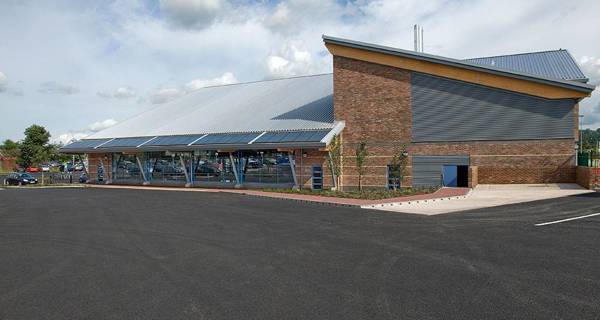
column 588, row 159
column 53, row 178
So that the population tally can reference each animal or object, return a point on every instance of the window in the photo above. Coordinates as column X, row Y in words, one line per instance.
column 394, row 181
column 317, row 178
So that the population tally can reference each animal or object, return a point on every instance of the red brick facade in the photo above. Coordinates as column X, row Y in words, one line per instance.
column 588, row 177
column 374, row 101
column 94, row 162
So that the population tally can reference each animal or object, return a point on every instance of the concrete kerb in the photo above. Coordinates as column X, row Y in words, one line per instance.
column 400, row 203
column 42, row 187
column 327, row 201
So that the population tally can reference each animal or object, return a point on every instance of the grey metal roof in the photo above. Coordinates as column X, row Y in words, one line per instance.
column 574, row 85
column 300, row 103
column 558, row 64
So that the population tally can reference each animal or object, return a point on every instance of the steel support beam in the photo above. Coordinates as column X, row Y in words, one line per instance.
column 188, row 182
column 292, row 161
column 332, row 173
column 142, row 170
column 235, row 168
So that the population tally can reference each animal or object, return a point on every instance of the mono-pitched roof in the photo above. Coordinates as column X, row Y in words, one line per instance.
column 300, row 109
column 462, row 64
column 557, row 64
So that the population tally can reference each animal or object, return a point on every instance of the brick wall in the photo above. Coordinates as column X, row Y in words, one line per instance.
column 473, row 176
column 526, row 161
column 305, row 159
column 8, row 164
column 94, row 160
column 374, row 101
column 588, row 178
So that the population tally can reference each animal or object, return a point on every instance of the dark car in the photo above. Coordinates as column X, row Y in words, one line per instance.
column 208, row 169
column 19, row 178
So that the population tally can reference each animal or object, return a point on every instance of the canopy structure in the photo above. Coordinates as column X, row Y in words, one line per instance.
column 214, row 141
column 283, row 113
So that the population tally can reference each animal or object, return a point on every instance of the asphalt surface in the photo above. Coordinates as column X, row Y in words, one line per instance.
column 137, row 254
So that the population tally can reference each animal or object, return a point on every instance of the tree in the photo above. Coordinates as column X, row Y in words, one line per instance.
column 334, row 158
column 10, row 148
column 589, row 139
column 361, row 157
column 398, row 165
column 34, row 148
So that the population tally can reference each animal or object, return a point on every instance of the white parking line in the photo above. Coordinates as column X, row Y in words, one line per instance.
column 564, row 220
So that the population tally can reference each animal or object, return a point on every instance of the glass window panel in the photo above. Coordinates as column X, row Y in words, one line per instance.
column 126, row 169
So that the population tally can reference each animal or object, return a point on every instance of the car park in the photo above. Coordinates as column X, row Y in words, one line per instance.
column 19, row 178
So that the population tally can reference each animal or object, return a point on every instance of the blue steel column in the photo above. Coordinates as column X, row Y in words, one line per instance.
column 240, row 168
column 192, row 168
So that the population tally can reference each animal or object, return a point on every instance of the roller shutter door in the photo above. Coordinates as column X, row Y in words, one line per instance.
column 427, row 170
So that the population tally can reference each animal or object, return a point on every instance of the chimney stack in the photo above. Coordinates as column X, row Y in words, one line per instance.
column 418, row 35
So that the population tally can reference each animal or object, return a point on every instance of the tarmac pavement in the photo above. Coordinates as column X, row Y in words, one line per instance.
column 87, row 253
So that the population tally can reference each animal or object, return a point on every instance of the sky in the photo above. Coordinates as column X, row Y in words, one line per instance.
column 78, row 66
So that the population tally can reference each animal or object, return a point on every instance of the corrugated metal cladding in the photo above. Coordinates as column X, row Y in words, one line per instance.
column 449, row 110
column 294, row 136
column 85, row 144
column 427, row 170
column 125, row 142
column 301, row 103
column 558, row 64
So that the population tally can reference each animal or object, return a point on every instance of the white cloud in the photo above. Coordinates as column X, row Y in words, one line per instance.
column 192, row 13
column 104, row 94
column 150, row 44
column 3, row 81
column 165, row 95
column 226, row 78
column 124, row 93
column 119, row 93
column 5, row 88
column 591, row 68
column 292, row 60
column 80, row 134
column 66, row 138
column 57, row 88
column 100, row 125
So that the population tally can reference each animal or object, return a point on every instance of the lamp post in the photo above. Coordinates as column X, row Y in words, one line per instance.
column 580, row 142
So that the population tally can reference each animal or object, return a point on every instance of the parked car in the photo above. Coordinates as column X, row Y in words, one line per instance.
column 45, row 167
column 208, row 169
column 19, row 178
column 79, row 166
column 83, row 178
column 33, row 169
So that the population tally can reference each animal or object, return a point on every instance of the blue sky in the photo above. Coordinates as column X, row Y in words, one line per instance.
column 79, row 66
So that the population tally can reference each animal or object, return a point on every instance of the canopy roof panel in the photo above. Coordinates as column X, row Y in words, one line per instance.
column 230, row 141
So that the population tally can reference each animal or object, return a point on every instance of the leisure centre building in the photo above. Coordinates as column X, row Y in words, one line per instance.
column 502, row 119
